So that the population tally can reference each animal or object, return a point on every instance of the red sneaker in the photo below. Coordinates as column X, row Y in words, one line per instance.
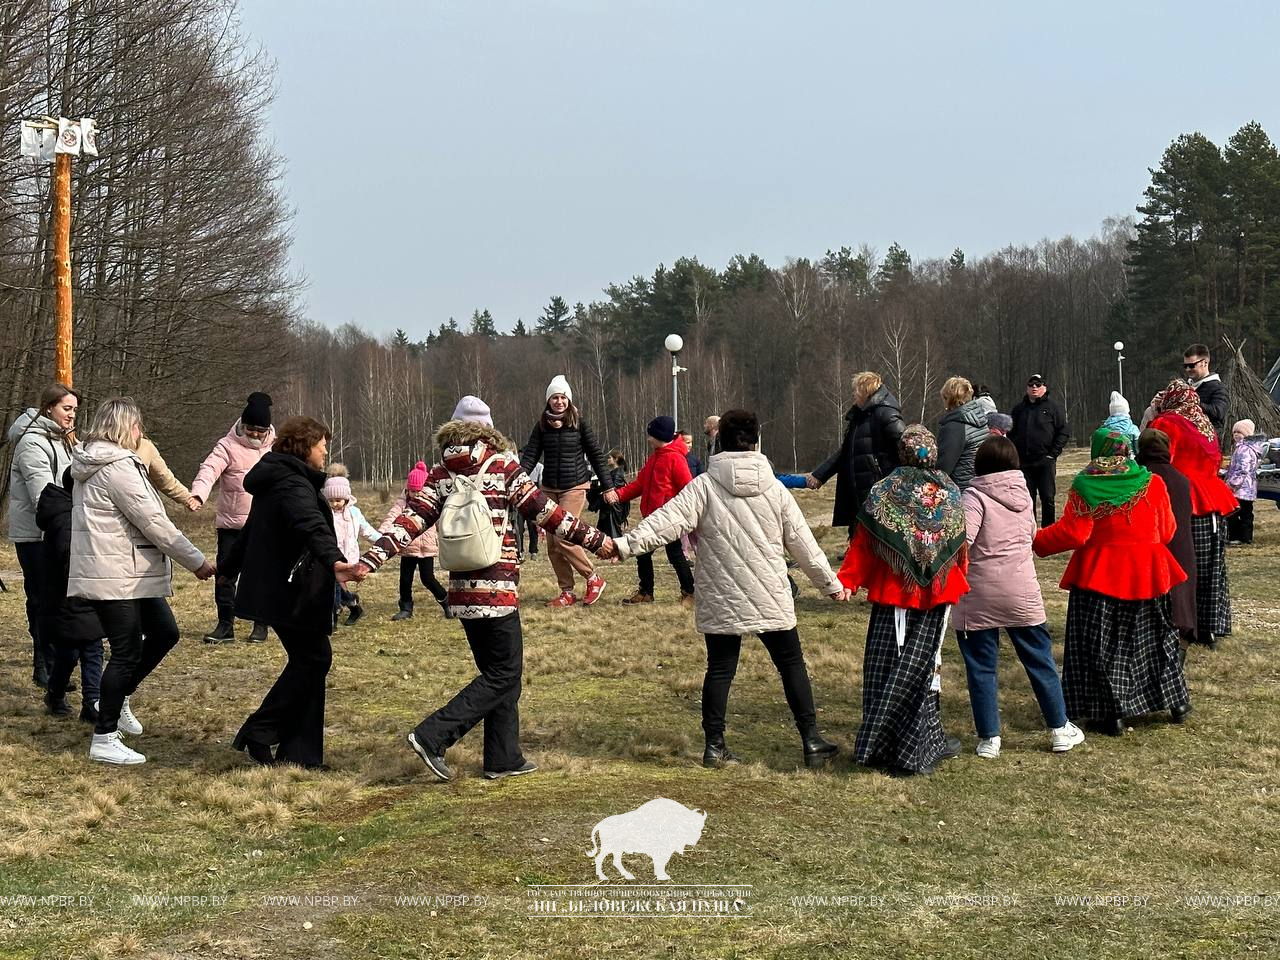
column 595, row 587
column 566, row 599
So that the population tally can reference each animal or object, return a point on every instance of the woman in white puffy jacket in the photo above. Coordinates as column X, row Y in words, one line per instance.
column 122, row 544
column 746, row 523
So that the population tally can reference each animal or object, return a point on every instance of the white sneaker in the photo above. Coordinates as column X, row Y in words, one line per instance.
column 128, row 723
column 989, row 747
column 109, row 748
column 1064, row 738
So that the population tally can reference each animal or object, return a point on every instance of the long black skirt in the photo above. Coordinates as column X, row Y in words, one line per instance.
column 1213, row 591
column 1120, row 658
column 900, row 723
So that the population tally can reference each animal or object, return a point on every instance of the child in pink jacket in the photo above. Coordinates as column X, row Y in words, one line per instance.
column 349, row 525
column 420, row 555
column 232, row 457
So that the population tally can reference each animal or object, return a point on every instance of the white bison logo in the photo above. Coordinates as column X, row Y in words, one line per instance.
column 659, row 829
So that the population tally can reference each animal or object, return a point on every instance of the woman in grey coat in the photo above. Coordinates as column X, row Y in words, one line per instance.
column 122, row 545
column 962, row 430
column 41, row 438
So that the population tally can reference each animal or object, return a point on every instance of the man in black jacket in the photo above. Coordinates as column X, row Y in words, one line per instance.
column 1040, row 434
column 1210, row 388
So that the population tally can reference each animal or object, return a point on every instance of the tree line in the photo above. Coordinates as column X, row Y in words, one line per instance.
column 185, row 300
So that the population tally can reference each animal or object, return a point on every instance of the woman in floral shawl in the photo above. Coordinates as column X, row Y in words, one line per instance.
column 909, row 554
column 1193, row 451
column 1121, row 657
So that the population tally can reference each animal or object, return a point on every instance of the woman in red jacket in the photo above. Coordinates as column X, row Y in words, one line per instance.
column 663, row 475
column 1120, row 658
column 909, row 552
column 1193, row 451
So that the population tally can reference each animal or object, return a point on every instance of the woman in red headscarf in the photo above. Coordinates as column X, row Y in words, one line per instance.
column 1193, row 451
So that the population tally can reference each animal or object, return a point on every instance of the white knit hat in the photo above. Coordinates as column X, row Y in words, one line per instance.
column 1119, row 405
column 337, row 488
column 473, row 410
column 559, row 385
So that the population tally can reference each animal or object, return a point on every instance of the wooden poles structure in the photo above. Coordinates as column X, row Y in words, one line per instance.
column 62, row 269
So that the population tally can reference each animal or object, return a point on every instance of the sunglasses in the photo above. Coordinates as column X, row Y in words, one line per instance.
column 1192, row 365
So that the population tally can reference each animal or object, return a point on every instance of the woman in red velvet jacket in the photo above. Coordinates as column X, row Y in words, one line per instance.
column 1193, row 451
column 1121, row 656
column 908, row 551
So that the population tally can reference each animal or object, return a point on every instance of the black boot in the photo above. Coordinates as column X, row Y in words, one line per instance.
column 817, row 751
column 1111, row 726
column 717, row 754
column 224, row 632
column 1179, row 714
column 258, row 634
column 405, row 611
column 357, row 611
column 444, row 607
column 89, row 712
column 56, row 706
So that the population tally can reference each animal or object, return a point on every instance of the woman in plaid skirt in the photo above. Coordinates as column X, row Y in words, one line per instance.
column 1193, row 451
column 909, row 553
column 1121, row 653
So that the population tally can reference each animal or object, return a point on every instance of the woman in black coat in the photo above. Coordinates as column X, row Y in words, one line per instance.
column 1153, row 453
column 288, row 563
column 868, row 452
column 613, row 516
column 565, row 444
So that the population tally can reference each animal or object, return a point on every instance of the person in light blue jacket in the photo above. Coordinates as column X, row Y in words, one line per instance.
column 1120, row 421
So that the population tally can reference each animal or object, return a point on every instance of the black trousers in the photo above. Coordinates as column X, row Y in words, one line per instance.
column 292, row 712
column 31, row 560
column 722, row 665
column 426, row 569
column 65, row 657
column 1240, row 523
column 140, row 632
column 497, row 646
column 224, row 594
column 677, row 559
column 1042, row 482
column 521, row 523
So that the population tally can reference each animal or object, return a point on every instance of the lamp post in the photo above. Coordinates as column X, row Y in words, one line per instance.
column 1119, row 348
column 674, row 344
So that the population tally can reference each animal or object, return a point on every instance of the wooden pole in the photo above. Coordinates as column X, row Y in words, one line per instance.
column 62, row 267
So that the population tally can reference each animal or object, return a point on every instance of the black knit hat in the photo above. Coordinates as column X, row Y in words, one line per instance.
column 662, row 428
column 257, row 412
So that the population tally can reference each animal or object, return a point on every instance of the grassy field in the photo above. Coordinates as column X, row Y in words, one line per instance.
column 260, row 863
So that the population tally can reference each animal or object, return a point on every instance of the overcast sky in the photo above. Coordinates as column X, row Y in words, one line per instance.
column 448, row 156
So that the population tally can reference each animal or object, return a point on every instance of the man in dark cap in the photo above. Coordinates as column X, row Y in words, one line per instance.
column 1040, row 434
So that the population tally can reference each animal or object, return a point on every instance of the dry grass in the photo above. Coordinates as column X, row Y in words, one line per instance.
column 611, row 714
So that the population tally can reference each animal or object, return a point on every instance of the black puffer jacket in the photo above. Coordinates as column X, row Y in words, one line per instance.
column 285, row 556
column 868, row 453
column 1039, row 429
column 561, row 452
column 70, row 621
column 1214, row 400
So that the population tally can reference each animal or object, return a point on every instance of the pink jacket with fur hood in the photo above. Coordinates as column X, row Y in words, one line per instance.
column 231, row 458
column 1000, row 525
column 426, row 545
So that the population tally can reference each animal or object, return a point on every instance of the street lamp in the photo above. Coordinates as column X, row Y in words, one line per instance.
column 1119, row 348
column 674, row 344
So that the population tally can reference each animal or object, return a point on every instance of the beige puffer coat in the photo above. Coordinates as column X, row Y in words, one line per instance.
column 121, row 538
column 746, row 523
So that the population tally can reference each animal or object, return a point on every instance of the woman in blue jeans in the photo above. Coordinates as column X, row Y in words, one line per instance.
column 1000, row 525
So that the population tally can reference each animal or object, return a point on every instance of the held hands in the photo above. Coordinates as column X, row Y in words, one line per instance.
column 350, row 572
column 194, row 504
column 611, row 497
column 841, row 596
column 608, row 550
column 206, row 571
column 812, row 482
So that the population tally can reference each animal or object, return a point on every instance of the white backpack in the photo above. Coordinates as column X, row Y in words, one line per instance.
column 468, row 540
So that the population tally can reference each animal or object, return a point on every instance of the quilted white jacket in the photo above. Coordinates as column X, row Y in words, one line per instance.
column 746, row 523
column 121, row 538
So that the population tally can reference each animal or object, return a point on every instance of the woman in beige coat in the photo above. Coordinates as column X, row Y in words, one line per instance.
column 746, row 523
column 122, row 542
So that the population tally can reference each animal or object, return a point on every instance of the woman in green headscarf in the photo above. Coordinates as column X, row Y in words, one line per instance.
column 1121, row 653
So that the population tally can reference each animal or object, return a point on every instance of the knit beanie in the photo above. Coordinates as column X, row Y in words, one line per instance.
column 1244, row 426
column 662, row 428
column 559, row 384
column 999, row 421
column 337, row 488
column 1119, row 405
column 473, row 410
column 417, row 477
column 257, row 412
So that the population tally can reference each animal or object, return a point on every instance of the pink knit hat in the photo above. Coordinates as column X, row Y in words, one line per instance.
column 337, row 488
column 417, row 477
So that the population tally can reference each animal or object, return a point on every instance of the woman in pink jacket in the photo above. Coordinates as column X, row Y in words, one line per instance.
column 1004, row 593
column 231, row 458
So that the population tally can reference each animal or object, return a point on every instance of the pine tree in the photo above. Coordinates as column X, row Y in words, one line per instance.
column 520, row 329
column 400, row 339
column 555, row 318
column 482, row 325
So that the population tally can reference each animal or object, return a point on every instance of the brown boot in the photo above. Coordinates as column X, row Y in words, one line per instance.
column 686, row 600
column 639, row 597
